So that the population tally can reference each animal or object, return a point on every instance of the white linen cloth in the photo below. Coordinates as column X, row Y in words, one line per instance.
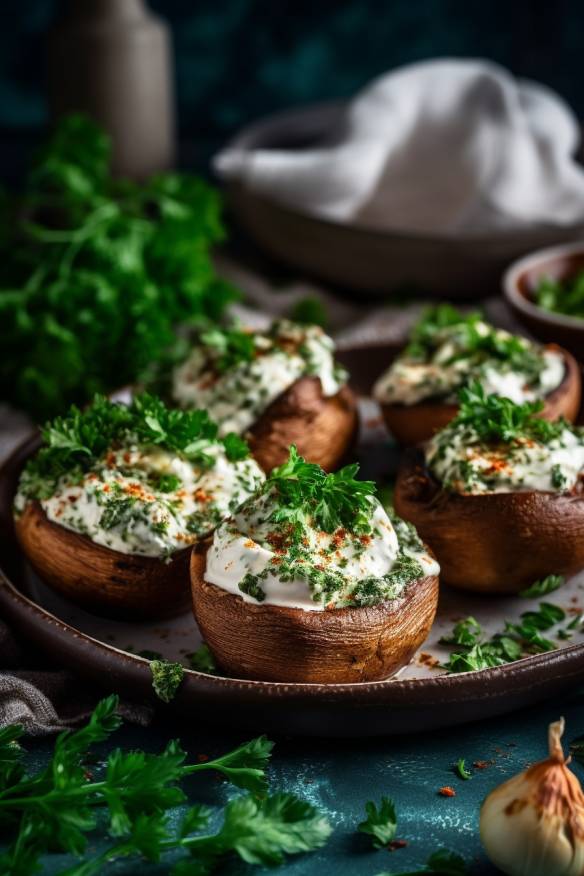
column 445, row 146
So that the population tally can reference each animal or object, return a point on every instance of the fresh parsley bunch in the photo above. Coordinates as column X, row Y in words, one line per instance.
column 131, row 797
column 98, row 272
column 77, row 440
column 305, row 490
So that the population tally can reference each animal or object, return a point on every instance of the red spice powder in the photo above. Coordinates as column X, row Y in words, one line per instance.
column 396, row 844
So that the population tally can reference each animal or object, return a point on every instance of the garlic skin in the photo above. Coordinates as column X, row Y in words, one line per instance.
column 533, row 824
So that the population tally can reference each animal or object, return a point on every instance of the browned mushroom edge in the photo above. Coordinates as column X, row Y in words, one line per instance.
column 323, row 429
column 273, row 643
column 493, row 542
column 100, row 579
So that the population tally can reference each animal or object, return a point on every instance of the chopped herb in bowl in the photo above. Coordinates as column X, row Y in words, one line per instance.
column 561, row 296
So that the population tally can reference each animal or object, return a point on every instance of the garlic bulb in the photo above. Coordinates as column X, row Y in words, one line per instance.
column 533, row 825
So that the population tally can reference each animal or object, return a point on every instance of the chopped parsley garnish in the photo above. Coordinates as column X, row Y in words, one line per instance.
column 132, row 799
column 559, row 479
column 165, row 483
column 426, row 333
column 315, row 524
column 305, row 491
column 562, row 296
column 380, row 823
column 80, row 438
column 545, row 585
column 474, row 339
column 496, row 419
column 166, row 678
column 473, row 651
column 202, row 660
column 230, row 346
column 461, row 770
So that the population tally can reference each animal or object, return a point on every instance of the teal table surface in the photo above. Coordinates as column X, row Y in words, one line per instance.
column 339, row 776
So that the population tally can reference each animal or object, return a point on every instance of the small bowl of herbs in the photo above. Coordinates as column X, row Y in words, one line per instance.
column 545, row 290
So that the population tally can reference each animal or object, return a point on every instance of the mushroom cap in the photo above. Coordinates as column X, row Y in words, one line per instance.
column 322, row 428
column 100, row 579
column 274, row 643
column 492, row 542
column 415, row 424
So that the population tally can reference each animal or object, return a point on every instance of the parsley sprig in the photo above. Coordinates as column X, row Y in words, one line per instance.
column 305, row 491
column 62, row 806
column 495, row 419
column 80, row 438
column 562, row 296
column 380, row 823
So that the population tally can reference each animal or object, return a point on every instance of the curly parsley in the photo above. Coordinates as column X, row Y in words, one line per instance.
column 98, row 272
column 74, row 442
column 305, row 491
column 495, row 419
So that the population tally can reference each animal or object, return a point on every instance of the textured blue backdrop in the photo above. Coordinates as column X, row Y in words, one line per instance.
column 238, row 59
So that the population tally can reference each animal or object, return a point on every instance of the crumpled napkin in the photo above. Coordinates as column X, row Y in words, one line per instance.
column 45, row 698
column 445, row 146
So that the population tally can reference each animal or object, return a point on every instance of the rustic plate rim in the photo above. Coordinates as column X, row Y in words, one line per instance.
column 497, row 679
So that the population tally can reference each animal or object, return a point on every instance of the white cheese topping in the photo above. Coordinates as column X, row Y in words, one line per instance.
column 451, row 365
column 237, row 396
column 462, row 464
column 244, row 546
column 151, row 503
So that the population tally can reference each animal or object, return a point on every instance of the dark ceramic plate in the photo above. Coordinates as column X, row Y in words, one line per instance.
column 367, row 260
column 108, row 652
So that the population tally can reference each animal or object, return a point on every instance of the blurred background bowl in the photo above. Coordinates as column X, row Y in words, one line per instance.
column 370, row 261
column 520, row 282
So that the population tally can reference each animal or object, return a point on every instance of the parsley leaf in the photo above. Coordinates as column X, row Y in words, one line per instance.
column 98, row 272
column 518, row 639
column 166, row 678
column 562, row 296
column 332, row 500
column 202, row 660
column 244, row 767
column 440, row 863
column 380, row 823
column 230, row 346
column 11, row 768
column 495, row 419
column 466, row 632
column 461, row 770
column 545, row 585
column 310, row 311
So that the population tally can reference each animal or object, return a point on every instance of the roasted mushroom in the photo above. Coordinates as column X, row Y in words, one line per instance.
column 310, row 581
column 108, row 508
column 498, row 495
column 278, row 387
column 447, row 351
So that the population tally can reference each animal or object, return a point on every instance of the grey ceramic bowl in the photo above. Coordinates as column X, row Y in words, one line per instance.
column 363, row 260
column 520, row 281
